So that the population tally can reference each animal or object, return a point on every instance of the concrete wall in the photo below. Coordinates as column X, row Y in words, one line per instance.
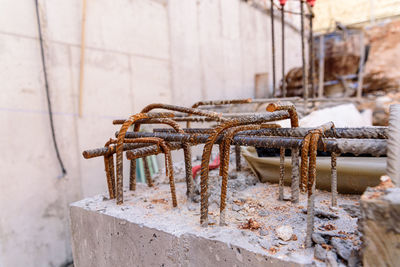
column 137, row 52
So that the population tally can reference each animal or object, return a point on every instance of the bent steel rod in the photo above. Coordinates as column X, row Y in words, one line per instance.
column 350, row 133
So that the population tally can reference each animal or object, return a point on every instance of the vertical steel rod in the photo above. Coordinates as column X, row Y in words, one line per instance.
column 281, row 173
column 311, row 55
column 132, row 176
column 321, row 67
column 303, row 54
column 273, row 50
column 334, row 179
column 361, row 67
column 283, row 51
column 295, row 175
column 238, row 157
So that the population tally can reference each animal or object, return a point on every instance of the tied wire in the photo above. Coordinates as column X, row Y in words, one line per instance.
column 46, row 84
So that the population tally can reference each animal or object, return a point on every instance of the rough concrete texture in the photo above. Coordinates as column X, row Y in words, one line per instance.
column 147, row 231
column 137, row 52
column 380, row 226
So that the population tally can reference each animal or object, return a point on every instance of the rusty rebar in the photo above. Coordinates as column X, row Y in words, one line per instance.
column 294, row 118
column 221, row 102
column 218, row 103
column 147, row 173
column 281, row 173
column 132, row 176
column 109, row 169
column 120, row 148
column 238, row 157
column 375, row 147
column 304, row 162
column 295, row 175
column 194, row 111
column 334, row 179
column 226, row 142
column 208, row 147
column 307, row 143
column 312, row 173
column 186, row 151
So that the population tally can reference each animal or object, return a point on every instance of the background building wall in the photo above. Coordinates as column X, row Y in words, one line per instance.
column 137, row 52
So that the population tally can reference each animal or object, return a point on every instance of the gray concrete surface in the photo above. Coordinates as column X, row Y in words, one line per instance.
column 147, row 231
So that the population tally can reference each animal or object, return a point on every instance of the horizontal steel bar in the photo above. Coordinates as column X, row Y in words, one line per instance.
column 351, row 133
column 376, row 147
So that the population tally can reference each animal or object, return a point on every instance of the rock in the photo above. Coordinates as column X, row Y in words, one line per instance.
column 236, row 207
column 253, row 239
column 319, row 253
column 283, row 242
column 343, row 248
column 264, row 243
column 331, row 259
column 263, row 232
column 352, row 210
column 323, row 214
column 191, row 207
column 318, row 239
column 263, row 213
column 284, row 232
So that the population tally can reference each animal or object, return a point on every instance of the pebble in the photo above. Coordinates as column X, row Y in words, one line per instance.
column 331, row 259
column 343, row 248
column 284, row 232
column 264, row 243
column 319, row 253
column 236, row 207
column 263, row 213
column 263, row 232
column 318, row 239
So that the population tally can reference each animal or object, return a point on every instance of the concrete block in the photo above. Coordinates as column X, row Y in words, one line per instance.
column 105, row 234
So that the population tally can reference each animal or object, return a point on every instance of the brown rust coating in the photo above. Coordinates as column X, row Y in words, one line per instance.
column 169, row 170
column 294, row 118
column 281, row 172
column 147, row 173
column 217, row 103
column 304, row 162
column 305, row 151
column 109, row 168
column 194, row 111
column 132, row 175
column 205, row 162
column 312, row 167
column 238, row 157
column 150, row 150
column 221, row 102
column 334, row 179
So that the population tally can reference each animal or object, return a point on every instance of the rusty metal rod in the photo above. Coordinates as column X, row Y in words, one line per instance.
column 376, row 132
column 334, row 179
column 294, row 118
column 295, row 175
column 375, row 147
column 238, row 158
column 281, row 173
